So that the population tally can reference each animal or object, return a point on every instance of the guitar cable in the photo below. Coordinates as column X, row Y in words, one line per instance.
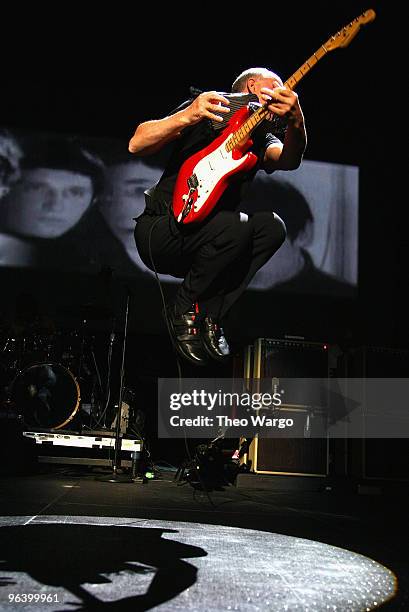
column 180, row 379
column 161, row 288
column 178, row 365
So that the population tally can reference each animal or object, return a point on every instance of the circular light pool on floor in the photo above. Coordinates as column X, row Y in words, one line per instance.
column 143, row 564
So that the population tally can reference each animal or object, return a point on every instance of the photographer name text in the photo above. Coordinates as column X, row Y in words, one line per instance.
column 225, row 421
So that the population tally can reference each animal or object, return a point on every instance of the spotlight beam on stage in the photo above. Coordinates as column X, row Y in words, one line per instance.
column 87, row 562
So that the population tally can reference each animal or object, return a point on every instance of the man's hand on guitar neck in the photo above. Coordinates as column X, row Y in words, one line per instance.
column 284, row 102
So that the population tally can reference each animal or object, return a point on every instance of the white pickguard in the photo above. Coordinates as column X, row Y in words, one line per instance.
column 210, row 170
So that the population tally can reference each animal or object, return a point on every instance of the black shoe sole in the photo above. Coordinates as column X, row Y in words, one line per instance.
column 178, row 347
column 212, row 354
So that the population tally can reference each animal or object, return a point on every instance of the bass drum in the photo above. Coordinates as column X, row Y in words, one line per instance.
column 47, row 395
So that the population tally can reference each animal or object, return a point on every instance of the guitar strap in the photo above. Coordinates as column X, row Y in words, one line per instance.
column 277, row 126
column 237, row 101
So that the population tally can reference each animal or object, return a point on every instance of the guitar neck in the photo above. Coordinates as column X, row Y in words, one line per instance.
column 340, row 39
column 260, row 114
column 292, row 82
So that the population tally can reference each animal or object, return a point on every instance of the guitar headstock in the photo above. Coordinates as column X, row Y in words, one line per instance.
column 347, row 33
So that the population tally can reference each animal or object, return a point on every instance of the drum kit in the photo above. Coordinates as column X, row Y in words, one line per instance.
column 51, row 379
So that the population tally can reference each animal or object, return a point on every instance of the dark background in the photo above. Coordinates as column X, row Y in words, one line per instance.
column 100, row 75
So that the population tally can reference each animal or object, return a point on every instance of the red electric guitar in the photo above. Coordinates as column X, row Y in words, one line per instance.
column 203, row 177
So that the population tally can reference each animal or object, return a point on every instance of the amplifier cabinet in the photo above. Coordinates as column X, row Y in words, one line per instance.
column 289, row 456
column 374, row 362
column 376, row 458
column 305, row 454
column 289, row 359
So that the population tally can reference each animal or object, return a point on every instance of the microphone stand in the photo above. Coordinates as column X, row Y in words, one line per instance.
column 116, row 477
column 108, row 381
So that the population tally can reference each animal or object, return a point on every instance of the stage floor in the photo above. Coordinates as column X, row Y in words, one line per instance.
column 87, row 544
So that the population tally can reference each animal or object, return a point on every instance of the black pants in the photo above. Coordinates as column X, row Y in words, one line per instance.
column 216, row 260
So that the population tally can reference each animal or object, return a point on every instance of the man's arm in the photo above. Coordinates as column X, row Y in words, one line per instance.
column 151, row 136
column 284, row 103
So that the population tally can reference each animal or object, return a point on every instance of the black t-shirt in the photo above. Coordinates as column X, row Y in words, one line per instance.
column 198, row 136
